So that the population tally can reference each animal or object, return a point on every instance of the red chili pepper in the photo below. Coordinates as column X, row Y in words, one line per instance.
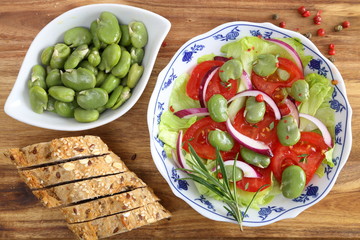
column 332, row 52
column 219, row 176
column 163, row 44
column 345, row 24
column 259, row 98
column 321, row 32
column 301, row 10
column 172, row 109
column 282, row 24
column 331, row 46
column 306, row 14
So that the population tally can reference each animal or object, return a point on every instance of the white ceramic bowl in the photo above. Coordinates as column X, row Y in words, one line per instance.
column 17, row 104
column 184, row 60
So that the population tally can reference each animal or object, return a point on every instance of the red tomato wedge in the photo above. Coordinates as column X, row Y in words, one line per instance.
column 253, row 184
column 272, row 84
column 216, row 86
column 197, row 137
column 308, row 154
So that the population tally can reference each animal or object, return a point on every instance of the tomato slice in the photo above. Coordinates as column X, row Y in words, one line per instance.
column 272, row 84
column 264, row 131
column 253, row 184
column 198, row 73
column 197, row 136
column 216, row 86
column 308, row 154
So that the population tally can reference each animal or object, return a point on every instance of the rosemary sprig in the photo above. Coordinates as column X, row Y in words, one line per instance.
column 200, row 174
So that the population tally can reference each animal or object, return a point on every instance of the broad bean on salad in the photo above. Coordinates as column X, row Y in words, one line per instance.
column 255, row 105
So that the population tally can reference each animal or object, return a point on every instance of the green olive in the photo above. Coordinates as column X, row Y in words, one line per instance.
column 231, row 69
column 217, row 106
column 221, row 140
column 293, row 181
column 265, row 64
column 254, row 110
column 300, row 90
column 288, row 131
column 254, row 158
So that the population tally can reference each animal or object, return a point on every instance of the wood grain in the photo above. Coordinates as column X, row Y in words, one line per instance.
column 22, row 217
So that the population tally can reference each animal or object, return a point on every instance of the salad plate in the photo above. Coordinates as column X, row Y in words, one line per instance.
column 184, row 60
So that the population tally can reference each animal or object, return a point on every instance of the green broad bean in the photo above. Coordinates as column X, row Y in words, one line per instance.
column 101, row 109
column 114, row 96
column 65, row 109
column 255, row 110
column 283, row 74
column 265, row 65
column 59, row 56
column 122, row 67
column 53, row 78
column 300, row 91
column 221, row 140
column 76, row 57
column 124, row 81
column 86, row 116
column 93, row 31
column 254, row 158
column 108, row 29
column 134, row 75
column 288, row 131
column 217, row 106
column 86, row 64
column 110, row 83
column 61, row 93
column 79, row 79
column 125, row 36
column 125, row 95
column 46, row 55
column 293, row 181
column 38, row 76
column 100, row 78
column 77, row 36
column 231, row 69
column 229, row 169
column 110, row 57
column 38, row 99
column 94, row 57
column 50, row 104
column 48, row 70
column 138, row 34
column 137, row 55
column 92, row 98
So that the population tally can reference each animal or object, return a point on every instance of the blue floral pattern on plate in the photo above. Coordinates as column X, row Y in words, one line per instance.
column 280, row 208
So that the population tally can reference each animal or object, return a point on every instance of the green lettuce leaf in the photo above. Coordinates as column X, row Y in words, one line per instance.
column 299, row 48
column 179, row 99
column 206, row 57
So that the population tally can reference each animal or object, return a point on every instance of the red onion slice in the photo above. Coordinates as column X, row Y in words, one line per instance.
column 290, row 50
column 204, row 84
column 246, row 80
column 190, row 112
column 324, row 131
column 180, row 156
column 256, row 146
column 267, row 99
column 175, row 158
column 293, row 110
column 221, row 58
column 249, row 171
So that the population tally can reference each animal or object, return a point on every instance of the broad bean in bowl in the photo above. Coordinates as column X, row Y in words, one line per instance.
column 87, row 67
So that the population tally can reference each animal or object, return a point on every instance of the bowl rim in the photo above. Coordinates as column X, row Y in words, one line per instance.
column 311, row 46
column 71, row 124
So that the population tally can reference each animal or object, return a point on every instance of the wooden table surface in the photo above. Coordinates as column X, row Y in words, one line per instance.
column 23, row 217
